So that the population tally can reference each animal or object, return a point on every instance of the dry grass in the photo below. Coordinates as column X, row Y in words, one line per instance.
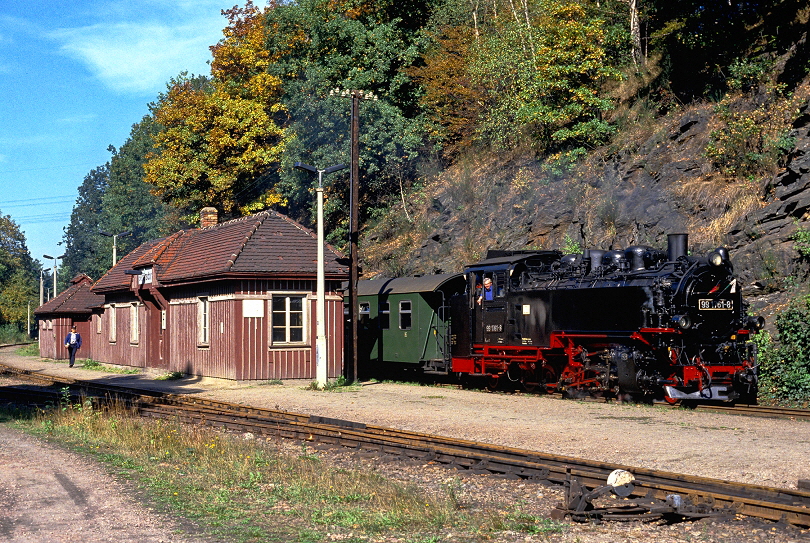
column 254, row 490
column 727, row 202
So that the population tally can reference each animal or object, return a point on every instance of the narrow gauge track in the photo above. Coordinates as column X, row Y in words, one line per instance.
column 758, row 411
column 776, row 504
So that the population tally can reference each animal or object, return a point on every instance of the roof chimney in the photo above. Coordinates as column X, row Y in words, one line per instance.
column 208, row 217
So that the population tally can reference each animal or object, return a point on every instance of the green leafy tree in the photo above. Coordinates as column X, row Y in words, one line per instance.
column 319, row 46
column 18, row 294
column 128, row 203
column 700, row 40
column 18, row 280
column 114, row 198
column 81, row 239
column 543, row 73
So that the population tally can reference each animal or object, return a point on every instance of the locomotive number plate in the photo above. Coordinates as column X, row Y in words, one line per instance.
column 497, row 328
column 716, row 304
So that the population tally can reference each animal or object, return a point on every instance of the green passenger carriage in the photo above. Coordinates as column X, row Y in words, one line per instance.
column 404, row 323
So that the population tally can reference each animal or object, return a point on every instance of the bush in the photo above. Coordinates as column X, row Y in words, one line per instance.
column 752, row 143
column 784, row 367
column 12, row 333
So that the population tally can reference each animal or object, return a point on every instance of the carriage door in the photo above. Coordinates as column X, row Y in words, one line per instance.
column 492, row 322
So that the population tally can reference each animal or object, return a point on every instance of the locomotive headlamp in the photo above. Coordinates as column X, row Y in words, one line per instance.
column 755, row 324
column 715, row 258
column 682, row 321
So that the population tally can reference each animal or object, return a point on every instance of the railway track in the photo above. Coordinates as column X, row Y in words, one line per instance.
column 652, row 492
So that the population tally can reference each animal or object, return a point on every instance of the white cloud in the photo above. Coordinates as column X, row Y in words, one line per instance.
column 142, row 57
column 78, row 119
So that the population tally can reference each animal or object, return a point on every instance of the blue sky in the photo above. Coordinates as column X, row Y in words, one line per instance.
column 75, row 77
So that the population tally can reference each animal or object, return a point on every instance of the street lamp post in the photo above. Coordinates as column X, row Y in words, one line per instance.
column 115, row 237
column 55, row 258
column 41, row 289
column 320, row 329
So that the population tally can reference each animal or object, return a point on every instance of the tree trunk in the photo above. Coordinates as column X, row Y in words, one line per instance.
column 635, row 34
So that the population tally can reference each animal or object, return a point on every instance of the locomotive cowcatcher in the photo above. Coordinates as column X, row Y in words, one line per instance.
column 638, row 322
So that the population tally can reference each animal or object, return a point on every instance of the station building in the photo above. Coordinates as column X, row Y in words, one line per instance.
column 234, row 300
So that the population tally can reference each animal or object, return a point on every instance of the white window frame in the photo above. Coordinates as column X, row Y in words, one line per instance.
column 287, row 326
column 98, row 323
column 134, row 324
column 113, row 325
column 403, row 312
column 203, row 321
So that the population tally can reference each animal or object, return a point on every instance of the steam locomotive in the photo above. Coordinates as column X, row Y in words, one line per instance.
column 640, row 322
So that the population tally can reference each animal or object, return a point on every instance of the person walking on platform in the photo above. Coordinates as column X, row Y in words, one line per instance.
column 73, row 342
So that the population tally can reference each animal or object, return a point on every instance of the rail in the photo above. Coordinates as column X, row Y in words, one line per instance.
column 677, row 493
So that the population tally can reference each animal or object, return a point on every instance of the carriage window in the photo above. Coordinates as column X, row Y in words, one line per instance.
column 405, row 315
column 365, row 313
column 384, row 313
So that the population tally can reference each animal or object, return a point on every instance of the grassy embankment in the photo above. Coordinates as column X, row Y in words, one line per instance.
column 250, row 490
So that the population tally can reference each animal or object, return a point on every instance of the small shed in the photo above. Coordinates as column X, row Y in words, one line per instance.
column 404, row 322
column 74, row 306
column 234, row 300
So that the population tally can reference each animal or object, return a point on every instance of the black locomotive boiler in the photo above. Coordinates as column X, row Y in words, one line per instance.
column 637, row 322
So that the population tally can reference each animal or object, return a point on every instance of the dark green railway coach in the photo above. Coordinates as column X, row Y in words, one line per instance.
column 404, row 324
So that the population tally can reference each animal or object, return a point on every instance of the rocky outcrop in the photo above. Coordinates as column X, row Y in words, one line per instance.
column 656, row 183
column 763, row 241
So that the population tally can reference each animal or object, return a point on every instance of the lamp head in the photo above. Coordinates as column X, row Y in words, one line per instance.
column 307, row 167
column 334, row 168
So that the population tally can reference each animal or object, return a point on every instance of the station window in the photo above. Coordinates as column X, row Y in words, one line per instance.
column 134, row 325
column 405, row 315
column 384, row 313
column 288, row 320
column 203, row 321
column 113, row 324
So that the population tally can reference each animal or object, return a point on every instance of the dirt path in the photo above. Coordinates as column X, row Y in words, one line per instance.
column 51, row 496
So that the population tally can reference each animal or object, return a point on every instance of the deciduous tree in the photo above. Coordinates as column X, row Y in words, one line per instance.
column 17, row 274
column 220, row 135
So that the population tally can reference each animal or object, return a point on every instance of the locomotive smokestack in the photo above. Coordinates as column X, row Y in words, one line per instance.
column 677, row 246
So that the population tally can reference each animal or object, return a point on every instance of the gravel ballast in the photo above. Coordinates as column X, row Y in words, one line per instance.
column 770, row 452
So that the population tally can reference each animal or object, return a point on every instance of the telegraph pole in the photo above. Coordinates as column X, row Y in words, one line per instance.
column 354, row 223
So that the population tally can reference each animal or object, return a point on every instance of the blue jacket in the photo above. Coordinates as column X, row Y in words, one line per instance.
column 78, row 340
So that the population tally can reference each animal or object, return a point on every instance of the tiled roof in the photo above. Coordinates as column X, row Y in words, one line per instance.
column 261, row 245
column 76, row 299
column 116, row 278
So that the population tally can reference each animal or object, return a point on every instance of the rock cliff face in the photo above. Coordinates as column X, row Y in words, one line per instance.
column 763, row 240
column 658, row 182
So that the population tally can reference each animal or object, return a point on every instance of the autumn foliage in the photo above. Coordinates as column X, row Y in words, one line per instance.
column 221, row 135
